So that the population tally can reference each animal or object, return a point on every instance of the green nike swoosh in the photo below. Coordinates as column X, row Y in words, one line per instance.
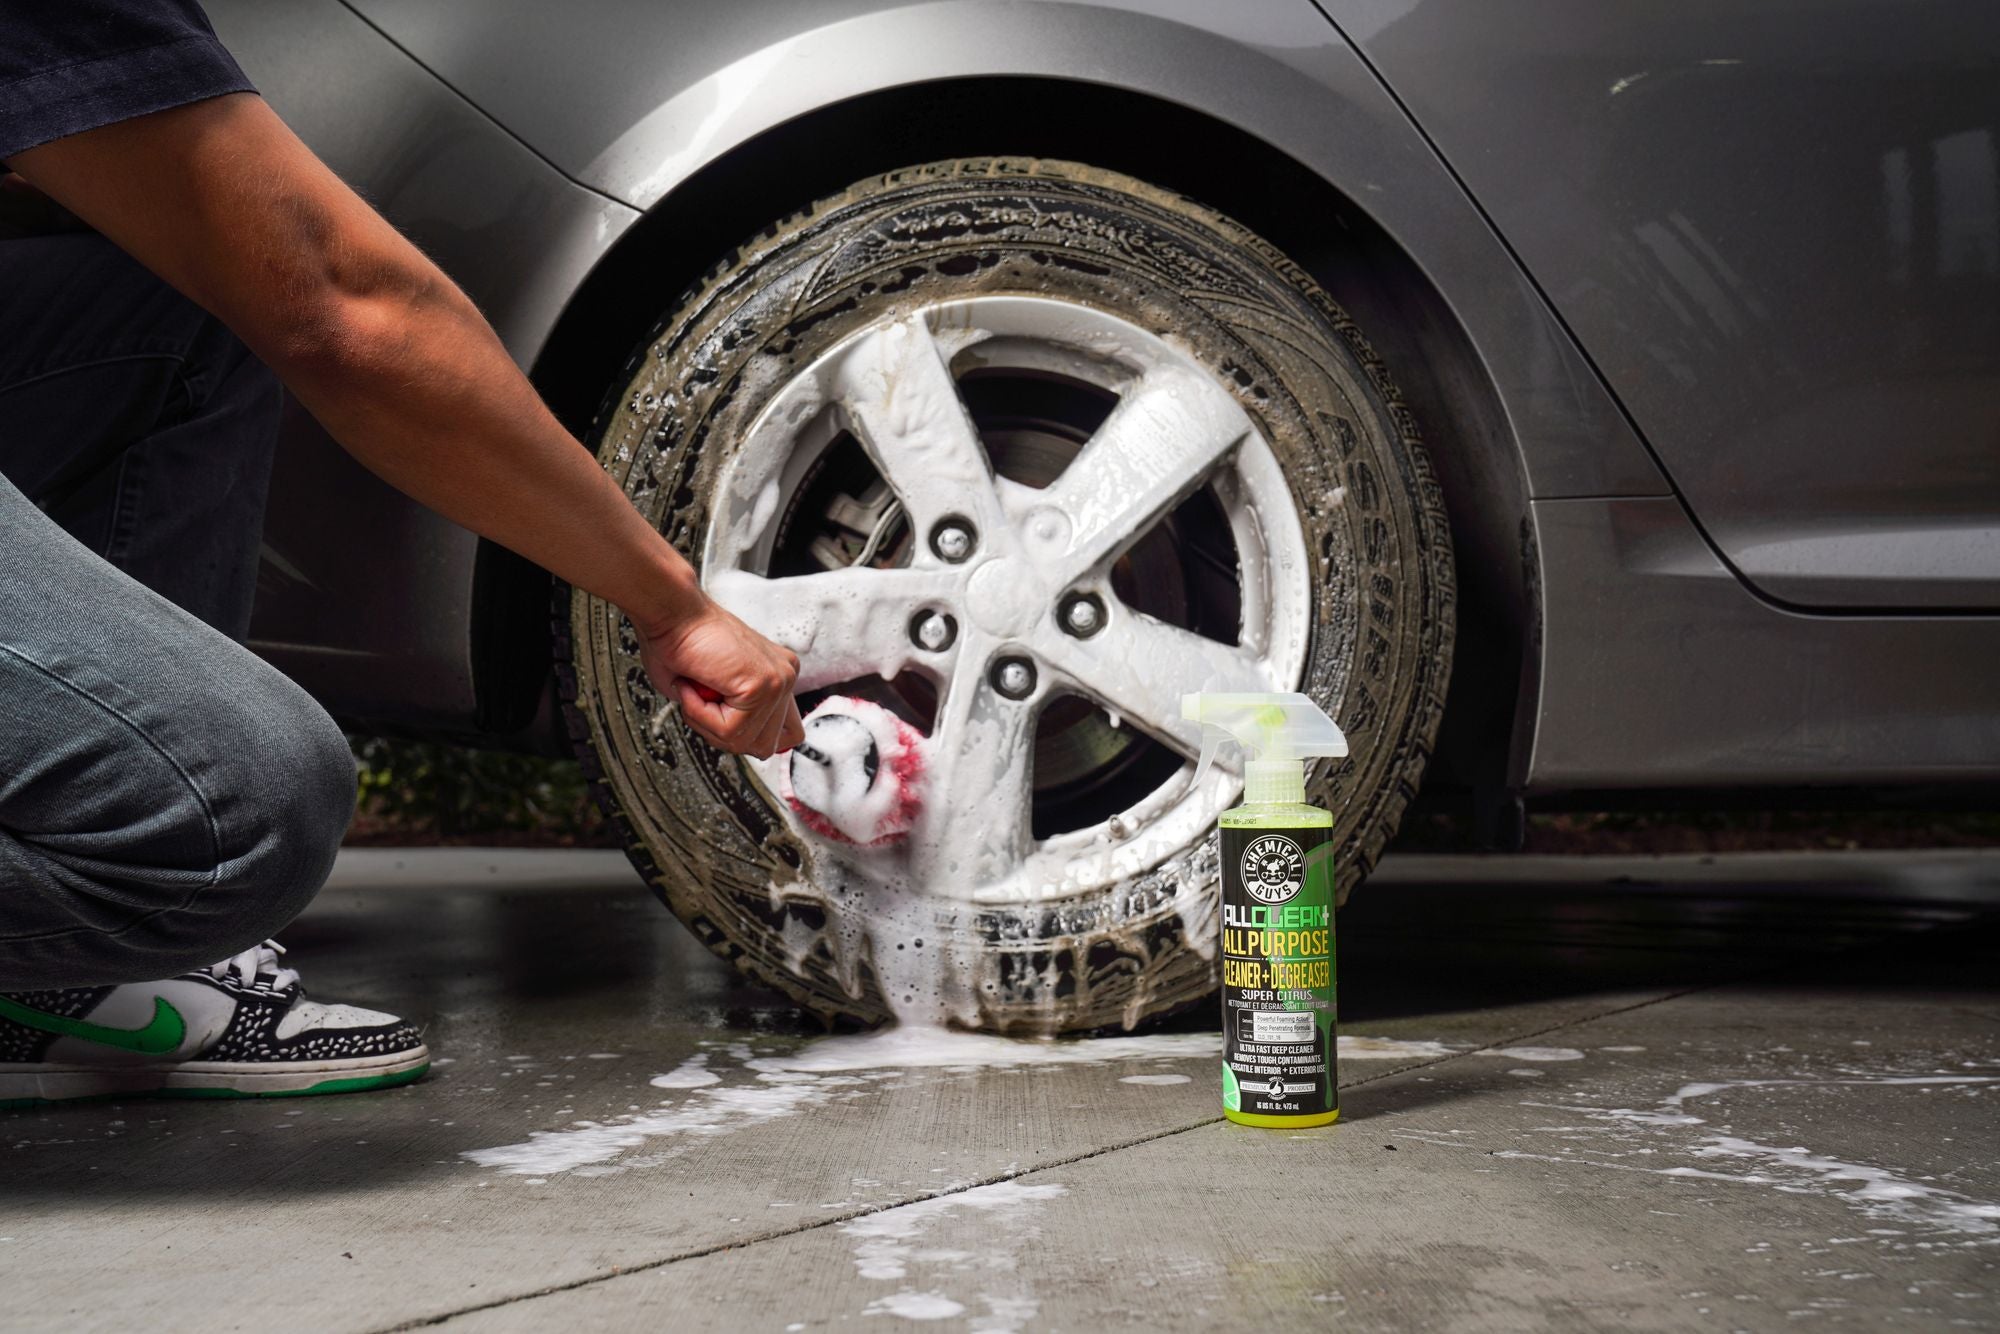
column 158, row 1038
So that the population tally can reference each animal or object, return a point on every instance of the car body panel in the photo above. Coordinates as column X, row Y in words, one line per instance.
column 1775, row 227
column 1662, row 672
column 1661, row 667
column 683, row 84
column 364, row 596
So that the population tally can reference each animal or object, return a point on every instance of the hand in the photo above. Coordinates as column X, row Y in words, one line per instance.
column 734, row 686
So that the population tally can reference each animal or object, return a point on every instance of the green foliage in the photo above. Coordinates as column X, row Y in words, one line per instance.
column 423, row 791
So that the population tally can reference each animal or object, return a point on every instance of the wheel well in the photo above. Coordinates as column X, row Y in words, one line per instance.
column 768, row 178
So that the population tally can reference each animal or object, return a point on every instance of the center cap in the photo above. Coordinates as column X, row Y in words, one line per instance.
column 1004, row 597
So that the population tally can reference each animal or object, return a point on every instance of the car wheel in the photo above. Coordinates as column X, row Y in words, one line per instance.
column 1013, row 453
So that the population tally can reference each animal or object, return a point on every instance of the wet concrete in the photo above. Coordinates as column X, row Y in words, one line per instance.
column 1732, row 1093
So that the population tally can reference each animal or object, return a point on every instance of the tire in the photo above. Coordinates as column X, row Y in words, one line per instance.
column 1080, row 290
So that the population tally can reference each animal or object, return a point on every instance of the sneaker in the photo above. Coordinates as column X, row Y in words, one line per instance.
column 242, row 1029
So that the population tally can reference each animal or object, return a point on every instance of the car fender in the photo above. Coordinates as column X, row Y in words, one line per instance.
column 679, row 86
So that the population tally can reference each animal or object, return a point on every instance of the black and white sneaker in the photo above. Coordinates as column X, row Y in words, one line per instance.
column 242, row 1029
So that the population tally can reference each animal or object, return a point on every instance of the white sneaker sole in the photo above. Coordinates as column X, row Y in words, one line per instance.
column 33, row 1082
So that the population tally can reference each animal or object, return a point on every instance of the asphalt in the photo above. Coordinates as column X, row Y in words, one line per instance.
column 1752, row 1092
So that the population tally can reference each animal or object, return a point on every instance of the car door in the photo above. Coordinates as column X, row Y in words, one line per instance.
column 1775, row 227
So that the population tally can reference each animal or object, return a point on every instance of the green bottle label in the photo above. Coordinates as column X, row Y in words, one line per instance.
column 1278, row 1047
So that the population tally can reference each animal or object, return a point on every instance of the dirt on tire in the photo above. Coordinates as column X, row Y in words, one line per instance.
column 720, row 850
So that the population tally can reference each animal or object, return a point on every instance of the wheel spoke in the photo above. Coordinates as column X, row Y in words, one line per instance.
column 1155, row 448
column 973, row 829
column 842, row 623
column 898, row 393
column 1140, row 667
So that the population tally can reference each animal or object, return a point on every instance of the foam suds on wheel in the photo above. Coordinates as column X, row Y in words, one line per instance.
column 903, row 938
column 925, row 951
column 854, row 778
column 938, row 960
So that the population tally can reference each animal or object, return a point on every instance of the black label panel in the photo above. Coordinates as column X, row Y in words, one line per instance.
column 1279, row 1052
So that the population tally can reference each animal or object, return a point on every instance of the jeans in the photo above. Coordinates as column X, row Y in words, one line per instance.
column 166, row 797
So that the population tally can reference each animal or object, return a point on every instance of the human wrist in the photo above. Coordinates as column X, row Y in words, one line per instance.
column 669, row 596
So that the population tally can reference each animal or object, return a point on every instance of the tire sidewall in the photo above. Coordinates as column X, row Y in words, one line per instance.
column 713, row 843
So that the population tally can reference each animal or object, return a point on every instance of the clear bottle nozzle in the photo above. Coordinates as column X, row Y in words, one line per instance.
column 1278, row 732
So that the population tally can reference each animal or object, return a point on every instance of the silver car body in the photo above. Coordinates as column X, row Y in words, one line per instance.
column 1698, row 305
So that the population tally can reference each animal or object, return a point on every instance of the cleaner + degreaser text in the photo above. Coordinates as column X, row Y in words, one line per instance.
column 1278, row 1016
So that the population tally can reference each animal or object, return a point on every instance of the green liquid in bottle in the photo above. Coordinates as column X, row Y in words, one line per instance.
column 1279, row 1049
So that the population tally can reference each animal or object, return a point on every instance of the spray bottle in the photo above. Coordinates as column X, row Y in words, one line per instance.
column 1278, row 1018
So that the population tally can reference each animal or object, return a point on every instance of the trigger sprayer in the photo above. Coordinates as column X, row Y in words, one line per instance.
column 1278, row 734
column 1279, row 1048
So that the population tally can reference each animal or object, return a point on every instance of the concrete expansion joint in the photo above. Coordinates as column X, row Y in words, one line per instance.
column 837, row 1219
column 779, row 1234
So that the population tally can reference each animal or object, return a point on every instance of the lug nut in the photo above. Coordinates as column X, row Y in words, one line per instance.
column 953, row 540
column 1014, row 677
column 1081, row 614
column 933, row 630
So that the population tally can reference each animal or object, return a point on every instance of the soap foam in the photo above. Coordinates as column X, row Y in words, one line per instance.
column 856, row 778
column 989, row 929
column 1390, row 1049
column 1670, row 1128
column 915, row 1306
column 692, row 1073
column 1535, row 1053
column 830, row 1070
column 915, row 1047
column 888, row 1247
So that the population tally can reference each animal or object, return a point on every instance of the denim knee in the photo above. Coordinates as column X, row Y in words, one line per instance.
column 283, row 810
column 165, row 851
column 298, row 819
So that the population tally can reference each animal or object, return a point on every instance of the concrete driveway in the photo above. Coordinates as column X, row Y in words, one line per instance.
column 1757, row 1092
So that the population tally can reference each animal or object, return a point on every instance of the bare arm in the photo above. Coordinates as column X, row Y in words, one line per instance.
column 222, row 200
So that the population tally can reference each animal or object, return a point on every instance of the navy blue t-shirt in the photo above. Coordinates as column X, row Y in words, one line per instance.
column 72, row 65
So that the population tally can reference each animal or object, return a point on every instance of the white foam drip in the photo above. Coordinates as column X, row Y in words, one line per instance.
column 931, row 967
column 888, row 1247
column 1535, row 1053
column 1879, row 1193
column 832, row 1069
column 1354, row 1048
column 915, row 1048
column 718, row 1111
column 915, row 1306
column 693, row 1073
